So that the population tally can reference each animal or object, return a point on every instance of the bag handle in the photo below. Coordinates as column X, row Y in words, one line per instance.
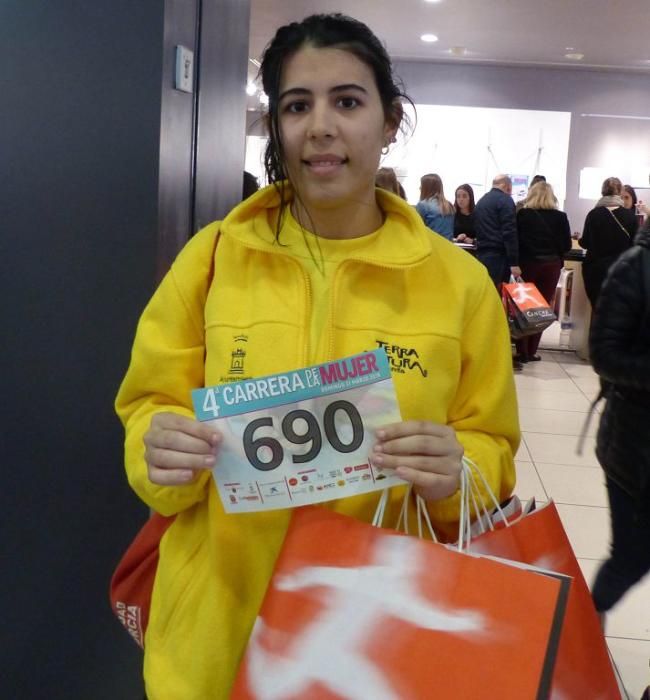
column 471, row 497
column 402, row 521
column 620, row 225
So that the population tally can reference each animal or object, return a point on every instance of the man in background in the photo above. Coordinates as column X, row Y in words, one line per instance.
column 496, row 231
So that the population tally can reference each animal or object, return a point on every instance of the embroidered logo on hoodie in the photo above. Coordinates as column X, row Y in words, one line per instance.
column 237, row 370
column 402, row 359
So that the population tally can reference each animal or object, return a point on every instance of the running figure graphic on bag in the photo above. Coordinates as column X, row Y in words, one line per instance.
column 521, row 294
column 357, row 601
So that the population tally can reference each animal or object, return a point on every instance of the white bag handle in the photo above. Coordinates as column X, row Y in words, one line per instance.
column 471, row 496
column 402, row 521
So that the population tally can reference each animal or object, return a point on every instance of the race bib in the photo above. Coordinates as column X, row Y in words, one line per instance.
column 301, row 437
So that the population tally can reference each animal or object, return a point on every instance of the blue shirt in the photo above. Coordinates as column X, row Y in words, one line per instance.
column 429, row 210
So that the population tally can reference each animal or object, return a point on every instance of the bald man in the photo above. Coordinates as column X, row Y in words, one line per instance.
column 496, row 231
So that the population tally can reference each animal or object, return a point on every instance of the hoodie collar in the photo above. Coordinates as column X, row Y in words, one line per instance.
column 403, row 239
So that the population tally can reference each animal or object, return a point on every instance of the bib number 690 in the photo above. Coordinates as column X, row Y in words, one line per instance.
column 312, row 435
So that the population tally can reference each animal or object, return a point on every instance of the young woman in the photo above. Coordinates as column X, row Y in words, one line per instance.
column 435, row 210
column 387, row 180
column 608, row 231
column 628, row 195
column 544, row 237
column 464, row 213
column 317, row 266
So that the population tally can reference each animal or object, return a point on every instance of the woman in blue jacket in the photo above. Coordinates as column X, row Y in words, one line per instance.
column 435, row 210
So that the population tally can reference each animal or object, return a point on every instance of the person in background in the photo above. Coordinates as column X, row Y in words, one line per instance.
column 496, row 231
column 464, row 213
column 250, row 185
column 402, row 193
column 433, row 207
column 619, row 347
column 536, row 178
column 544, row 237
column 387, row 180
column 628, row 195
column 608, row 231
column 630, row 201
column 288, row 262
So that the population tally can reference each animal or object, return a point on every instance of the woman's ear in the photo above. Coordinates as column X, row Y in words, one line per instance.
column 393, row 121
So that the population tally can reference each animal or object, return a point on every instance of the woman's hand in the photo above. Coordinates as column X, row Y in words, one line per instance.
column 426, row 454
column 178, row 448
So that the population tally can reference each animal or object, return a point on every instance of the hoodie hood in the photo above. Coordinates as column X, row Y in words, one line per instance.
column 408, row 242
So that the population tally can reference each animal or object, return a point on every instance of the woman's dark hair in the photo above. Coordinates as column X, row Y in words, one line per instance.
column 466, row 188
column 630, row 190
column 322, row 31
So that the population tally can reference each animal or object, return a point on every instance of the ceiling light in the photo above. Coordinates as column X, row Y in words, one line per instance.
column 429, row 38
column 255, row 62
column 431, row 0
column 574, row 56
column 264, row 98
column 250, row 88
column 569, row 48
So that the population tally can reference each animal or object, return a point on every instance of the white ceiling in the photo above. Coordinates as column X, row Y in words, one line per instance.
column 612, row 34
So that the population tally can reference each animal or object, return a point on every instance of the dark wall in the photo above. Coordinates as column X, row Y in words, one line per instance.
column 79, row 144
column 221, row 133
column 84, row 165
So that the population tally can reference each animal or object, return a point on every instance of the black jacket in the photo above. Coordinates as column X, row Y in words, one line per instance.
column 620, row 353
column 606, row 234
column 544, row 234
column 496, row 225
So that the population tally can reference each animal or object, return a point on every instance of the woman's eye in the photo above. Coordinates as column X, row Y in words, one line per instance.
column 348, row 102
column 296, row 107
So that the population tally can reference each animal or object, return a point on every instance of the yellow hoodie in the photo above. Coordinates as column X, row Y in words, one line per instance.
column 429, row 304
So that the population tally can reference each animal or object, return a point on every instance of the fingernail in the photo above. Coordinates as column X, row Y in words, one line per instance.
column 209, row 460
column 214, row 438
column 378, row 459
column 381, row 434
column 378, row 447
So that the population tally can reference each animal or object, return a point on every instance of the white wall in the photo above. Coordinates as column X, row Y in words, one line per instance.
column 473, row 144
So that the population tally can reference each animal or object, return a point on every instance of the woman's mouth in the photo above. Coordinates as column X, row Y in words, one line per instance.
column 325, row 164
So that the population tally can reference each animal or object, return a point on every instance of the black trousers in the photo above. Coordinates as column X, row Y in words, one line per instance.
column 629, row 559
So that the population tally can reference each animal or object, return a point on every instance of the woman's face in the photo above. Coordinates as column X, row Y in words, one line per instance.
column 627, row 199
column 462, row 200
column 332, row 127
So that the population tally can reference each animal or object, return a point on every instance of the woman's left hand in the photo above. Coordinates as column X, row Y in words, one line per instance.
column 426, row 454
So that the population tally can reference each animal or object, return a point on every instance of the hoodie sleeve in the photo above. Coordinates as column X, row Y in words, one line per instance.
column 167, row 362
column 484, row 411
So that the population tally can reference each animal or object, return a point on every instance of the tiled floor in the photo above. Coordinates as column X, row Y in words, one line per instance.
column 554, row 398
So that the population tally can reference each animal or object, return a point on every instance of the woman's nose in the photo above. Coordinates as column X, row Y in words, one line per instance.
column 322, row 123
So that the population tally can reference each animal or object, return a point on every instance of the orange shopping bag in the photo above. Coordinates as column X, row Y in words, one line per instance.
column 132, row 582
column 528, row 312
column 583, row 668
column 354, row 611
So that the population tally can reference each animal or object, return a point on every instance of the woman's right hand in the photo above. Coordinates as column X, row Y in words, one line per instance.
column 178, row 449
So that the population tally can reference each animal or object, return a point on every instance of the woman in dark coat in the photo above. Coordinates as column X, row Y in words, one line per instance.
column 620, row 352
column 608, row 231
column 544, row 237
